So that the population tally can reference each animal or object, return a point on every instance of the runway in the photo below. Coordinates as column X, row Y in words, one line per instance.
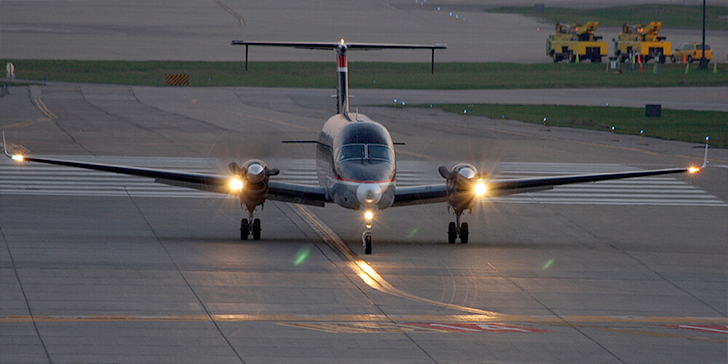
column 105, row 268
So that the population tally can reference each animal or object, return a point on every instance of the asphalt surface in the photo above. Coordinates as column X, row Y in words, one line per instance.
column 202, row 30
column 105, row 268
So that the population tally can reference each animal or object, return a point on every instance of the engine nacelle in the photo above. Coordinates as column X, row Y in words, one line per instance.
column 464, row 184
column 253, row 175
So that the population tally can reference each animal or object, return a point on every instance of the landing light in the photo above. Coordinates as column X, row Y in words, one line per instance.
column 694, row 169
column 480, row 188
column 368, row 215
column 18, row 158
column 236, row 184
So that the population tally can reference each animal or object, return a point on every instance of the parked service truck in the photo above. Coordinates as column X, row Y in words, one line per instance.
column 642, row 42
column 576, row 42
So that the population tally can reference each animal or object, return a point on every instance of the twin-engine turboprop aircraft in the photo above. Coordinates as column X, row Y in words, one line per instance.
column 355, row 162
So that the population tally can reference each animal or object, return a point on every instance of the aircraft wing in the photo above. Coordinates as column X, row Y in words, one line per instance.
column 495, row 188
column 287, row 192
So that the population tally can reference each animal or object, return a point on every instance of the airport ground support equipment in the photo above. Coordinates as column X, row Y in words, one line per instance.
column 641, row 43
column 575, row 43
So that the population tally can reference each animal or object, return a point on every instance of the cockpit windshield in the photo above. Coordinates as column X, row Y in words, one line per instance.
column 380, row 152
column 352, row 151
column 372, row 152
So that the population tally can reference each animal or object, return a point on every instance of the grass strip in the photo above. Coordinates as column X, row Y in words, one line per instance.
column 370, row 75
column 671, row 16
column 685, row 125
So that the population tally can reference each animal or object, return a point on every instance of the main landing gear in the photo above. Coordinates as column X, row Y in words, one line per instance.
column 248, row 227
column 366, row 239
column 456, row 229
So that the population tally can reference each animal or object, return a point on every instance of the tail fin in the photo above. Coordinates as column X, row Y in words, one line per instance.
column 342, row 87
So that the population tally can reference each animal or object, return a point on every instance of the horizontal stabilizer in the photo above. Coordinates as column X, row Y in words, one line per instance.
column 334, row 45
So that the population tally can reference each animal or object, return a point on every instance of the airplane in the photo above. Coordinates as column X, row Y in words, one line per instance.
column 356, row 166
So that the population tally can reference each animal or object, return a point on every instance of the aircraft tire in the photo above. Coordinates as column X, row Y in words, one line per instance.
column 256, row 229
column 464, row 233
column 452, row 233
column 368, row 244
column 244, row 229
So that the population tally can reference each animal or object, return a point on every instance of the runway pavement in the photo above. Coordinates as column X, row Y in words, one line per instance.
column 104, row 268
column 202, row 30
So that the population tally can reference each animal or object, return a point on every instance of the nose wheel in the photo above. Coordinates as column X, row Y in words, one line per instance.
column 250, row 227
column 455, row 229
column 366, row 239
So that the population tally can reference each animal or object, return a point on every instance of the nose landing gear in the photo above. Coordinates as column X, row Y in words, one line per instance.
column 250, row 226
column 366, row 238
column 456, row 229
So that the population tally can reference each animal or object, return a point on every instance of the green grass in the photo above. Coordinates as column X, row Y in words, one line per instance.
column 367, row 75
column 685, row 125
column 671, row 16
column 677, row 125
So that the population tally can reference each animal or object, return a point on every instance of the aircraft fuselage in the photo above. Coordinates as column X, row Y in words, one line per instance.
column 355, row 162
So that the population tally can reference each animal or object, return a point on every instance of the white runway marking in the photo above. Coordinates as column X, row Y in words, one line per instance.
column 47, row 180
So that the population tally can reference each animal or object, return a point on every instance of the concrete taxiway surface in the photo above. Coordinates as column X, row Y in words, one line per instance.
column 202, row 30
column 104, row 268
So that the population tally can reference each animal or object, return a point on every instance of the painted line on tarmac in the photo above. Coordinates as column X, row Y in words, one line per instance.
column 416, row 327
column 366, row 273
column 717, row 323
column 43, row 108
column 236, row 15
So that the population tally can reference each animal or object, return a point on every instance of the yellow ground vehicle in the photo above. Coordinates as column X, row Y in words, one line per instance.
column 576, row 42
column 643, row 41
column 690, row 52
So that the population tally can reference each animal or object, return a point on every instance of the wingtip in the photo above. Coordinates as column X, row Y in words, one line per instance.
column 705, row 158
column 5, row 148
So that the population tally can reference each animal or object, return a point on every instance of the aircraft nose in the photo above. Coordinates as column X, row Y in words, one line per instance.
column 369, row 193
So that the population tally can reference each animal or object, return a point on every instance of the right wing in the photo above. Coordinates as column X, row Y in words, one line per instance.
column 278, row 191
column 425, row 194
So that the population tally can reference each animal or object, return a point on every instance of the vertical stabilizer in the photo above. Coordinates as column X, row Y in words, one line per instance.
column 342, row 86
column 342, row 61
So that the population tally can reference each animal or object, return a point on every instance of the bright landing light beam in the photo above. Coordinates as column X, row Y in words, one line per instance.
column 236, row 184
column 480, row 188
